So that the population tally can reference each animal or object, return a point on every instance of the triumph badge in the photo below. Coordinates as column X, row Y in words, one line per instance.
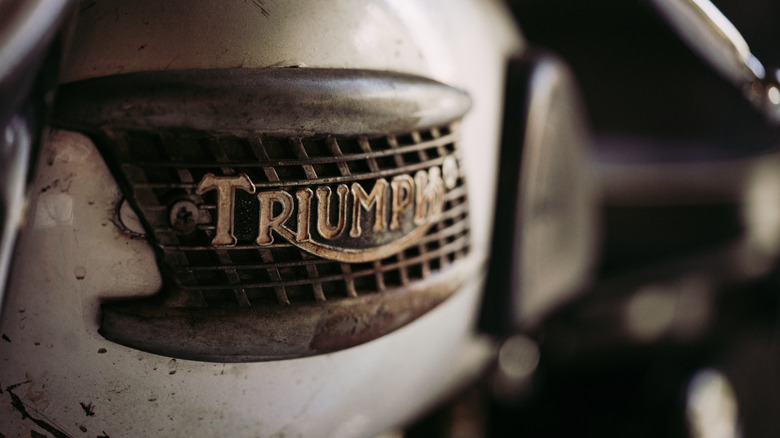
column 293, row 212
column 355, row 225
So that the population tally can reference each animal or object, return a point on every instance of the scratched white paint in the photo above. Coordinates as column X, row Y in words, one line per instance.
column 53, row 209
column 68, row 377
column 72, row 149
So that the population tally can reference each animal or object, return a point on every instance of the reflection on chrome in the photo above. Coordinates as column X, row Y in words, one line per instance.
column 711, row 406
column 709, row 33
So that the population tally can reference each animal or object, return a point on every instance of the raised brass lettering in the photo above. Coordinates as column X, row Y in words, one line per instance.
column 363, row 200
column 304, row 214
column 429, row 198
column 450, row 172
column 403, row 195
column 324, row 227
column 226, row 190
column 409, row 203
column 268, row 221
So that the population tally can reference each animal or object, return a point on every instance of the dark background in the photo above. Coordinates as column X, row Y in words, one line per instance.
column 639, row 80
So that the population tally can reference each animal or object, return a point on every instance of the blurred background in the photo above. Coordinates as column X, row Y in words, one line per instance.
column 678, row 335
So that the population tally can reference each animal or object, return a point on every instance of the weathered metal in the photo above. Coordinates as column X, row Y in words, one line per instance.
column 249, row 334
column 280, row 201
column 283, row 101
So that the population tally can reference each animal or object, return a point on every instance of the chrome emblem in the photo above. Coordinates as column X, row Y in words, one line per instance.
column 293, row 212
column 347, row 223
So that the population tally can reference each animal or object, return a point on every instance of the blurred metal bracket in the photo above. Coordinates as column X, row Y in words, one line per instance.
column 713, row 37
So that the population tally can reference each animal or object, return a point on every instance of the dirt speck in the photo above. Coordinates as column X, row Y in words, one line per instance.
column 80, row 272
column 88, row 409
column 102, row 351
column 6, row 338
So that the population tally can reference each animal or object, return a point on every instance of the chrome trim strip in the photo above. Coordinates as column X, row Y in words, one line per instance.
column 278, row 101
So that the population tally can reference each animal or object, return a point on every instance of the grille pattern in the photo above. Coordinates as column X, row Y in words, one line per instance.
column 163, row 167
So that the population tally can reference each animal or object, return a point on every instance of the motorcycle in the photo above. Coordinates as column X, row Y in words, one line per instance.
column 271, row 219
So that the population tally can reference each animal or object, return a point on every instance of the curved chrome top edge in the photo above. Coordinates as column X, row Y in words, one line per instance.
column 710, row 34
column 283, row 101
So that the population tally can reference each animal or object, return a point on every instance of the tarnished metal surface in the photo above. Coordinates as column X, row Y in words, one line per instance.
column 262, row 237
column 271, row 333
column 282, row 101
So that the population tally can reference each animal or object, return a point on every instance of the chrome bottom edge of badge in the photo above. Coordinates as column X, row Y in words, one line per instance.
column 253, row 334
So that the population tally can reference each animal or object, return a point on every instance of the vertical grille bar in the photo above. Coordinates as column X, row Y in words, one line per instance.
column 392, row 141
column 349, row 280
column 365, row 146
column 319, row 294
column 256, row 144
column 173, row 147
column 233, row 278
column 380, row 277
column 333, row 146
column 281, row 293
column 403, row 272
column 300, row 152
column 417, row 138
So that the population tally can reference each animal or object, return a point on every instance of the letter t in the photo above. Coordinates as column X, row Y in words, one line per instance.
column 226, row 190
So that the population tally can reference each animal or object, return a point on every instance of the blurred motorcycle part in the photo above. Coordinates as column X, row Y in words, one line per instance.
column 31, row 45
column 700, row 24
